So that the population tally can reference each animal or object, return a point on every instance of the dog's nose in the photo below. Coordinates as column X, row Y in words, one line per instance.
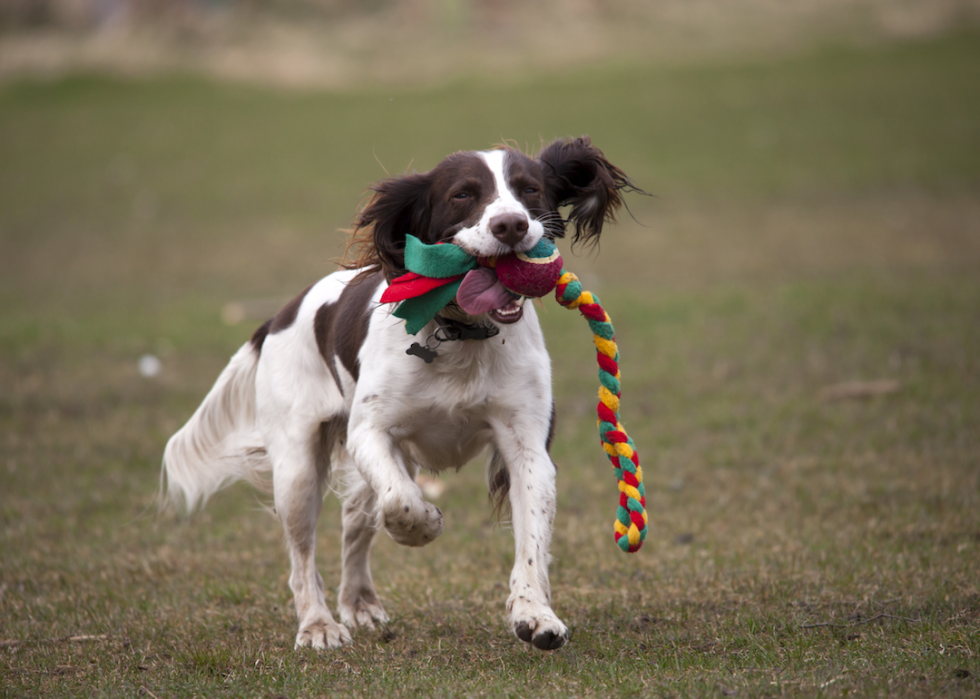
column 509, row 229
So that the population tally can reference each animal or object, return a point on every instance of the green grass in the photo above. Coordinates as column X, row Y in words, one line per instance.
column 816, row 220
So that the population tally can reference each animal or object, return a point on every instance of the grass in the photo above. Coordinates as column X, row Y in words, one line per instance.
column 816, row 222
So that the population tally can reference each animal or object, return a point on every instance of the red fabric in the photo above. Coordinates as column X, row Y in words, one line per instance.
column 410, row 285
column 637, row 519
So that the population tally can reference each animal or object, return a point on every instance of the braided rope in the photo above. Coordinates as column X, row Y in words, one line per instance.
column 631, row 517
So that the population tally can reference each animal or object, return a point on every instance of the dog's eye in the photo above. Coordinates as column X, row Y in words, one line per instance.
column 530, row 190
column 460, row 196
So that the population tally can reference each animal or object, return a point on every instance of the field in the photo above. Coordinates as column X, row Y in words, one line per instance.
column 798, row 308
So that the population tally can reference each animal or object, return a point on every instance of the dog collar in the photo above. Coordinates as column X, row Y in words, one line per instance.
column 450, row 330
column 457, row 330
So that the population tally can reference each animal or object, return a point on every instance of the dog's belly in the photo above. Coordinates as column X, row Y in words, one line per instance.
column 436, row 440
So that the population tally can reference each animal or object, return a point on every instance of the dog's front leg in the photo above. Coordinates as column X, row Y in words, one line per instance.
column 404, row 513
column 532, row 500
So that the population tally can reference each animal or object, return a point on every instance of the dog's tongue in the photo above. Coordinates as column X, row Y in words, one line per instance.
column 481, row 292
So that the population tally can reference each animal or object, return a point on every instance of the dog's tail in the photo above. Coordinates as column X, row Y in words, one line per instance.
column 220, row 443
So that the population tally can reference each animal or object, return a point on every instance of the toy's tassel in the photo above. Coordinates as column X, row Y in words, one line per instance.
column 631, row 518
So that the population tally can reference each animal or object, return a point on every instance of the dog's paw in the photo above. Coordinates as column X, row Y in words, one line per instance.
column 361, row 609
column 543, row 629
column 321, row 633
column 412, row 523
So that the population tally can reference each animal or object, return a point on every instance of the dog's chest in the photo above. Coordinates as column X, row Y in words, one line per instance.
column 443, row 414
column 439, row 438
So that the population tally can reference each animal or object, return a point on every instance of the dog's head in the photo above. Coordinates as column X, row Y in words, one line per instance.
column 491, row 203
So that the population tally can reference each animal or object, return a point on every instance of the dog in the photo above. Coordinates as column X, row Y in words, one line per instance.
column 327, row 385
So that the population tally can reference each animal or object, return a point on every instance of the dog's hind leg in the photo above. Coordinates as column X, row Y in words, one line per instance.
column 300, row 468
column 358, row 603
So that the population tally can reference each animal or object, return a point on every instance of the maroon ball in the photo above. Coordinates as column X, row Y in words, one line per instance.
column 533, row 273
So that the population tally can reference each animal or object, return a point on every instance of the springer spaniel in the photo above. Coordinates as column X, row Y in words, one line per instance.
column 327, row 385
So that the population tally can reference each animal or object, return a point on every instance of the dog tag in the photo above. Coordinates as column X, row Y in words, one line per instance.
column 424, row 352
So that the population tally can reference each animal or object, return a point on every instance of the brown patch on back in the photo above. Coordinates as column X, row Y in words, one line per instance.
column 258, row 337
column 353, row 319
column 340, row 328
column 323, row 332
column 280, row 321
column 287, row 314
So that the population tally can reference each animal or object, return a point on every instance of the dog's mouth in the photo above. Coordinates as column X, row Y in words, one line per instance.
column 511, row 313
column 481, row 292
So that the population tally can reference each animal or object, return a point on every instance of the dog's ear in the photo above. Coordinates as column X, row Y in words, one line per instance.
column 400, row 206
column 577, row 173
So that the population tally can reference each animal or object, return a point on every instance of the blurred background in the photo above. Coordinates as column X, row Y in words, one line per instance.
column 797, row 303
column 350, row 43
column 142, row 129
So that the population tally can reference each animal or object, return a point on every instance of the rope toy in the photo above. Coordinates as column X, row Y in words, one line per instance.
column 438, row 273
column 630, row 527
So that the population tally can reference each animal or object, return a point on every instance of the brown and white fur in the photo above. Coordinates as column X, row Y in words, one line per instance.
column 326, row 386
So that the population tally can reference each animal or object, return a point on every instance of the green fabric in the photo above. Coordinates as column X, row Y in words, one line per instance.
column 420, row 310
column 438, row 261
